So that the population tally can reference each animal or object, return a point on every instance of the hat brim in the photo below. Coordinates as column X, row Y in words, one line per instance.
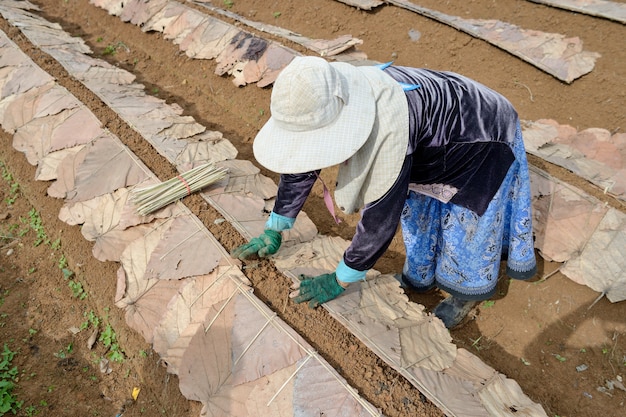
column 288, row 152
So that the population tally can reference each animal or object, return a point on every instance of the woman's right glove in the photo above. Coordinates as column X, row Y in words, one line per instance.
column 316, row 290
column 265, row 245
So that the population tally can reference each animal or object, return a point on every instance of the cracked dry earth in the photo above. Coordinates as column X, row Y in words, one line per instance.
column 536, row 333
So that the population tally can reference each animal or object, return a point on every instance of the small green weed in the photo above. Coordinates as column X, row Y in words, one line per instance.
column 56, row 245
column 14, row 187
column 109, row 340
column 112, row 49
column 62, row 262
column 8, row 374
column 31, row 411
column 77, row 289
column 91, row 319
column 62, row 353
column 13, row 193
column 22, row 232
column 12, row 232
column 6, row 175
column 229, row 3
column 67, row 273
column 109, row 50
column 35, row 223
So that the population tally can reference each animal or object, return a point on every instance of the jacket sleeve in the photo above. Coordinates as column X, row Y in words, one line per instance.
column 378, row 224
column 293, row 190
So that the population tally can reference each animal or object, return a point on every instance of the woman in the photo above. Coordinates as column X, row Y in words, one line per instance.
column 434, row 151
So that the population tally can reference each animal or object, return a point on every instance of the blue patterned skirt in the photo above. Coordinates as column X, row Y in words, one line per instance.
column 453, row 248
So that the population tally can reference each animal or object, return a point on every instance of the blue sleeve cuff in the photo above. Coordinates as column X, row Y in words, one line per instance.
column 278, row 222
column 347, row 274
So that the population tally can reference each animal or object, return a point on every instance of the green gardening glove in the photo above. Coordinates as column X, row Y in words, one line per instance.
column 317, row 290
column 265, row 245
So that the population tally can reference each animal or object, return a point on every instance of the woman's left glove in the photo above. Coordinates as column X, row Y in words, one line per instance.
column 265, row 245
column 317, row 290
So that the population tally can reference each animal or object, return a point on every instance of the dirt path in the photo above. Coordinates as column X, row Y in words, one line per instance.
column 525, row 334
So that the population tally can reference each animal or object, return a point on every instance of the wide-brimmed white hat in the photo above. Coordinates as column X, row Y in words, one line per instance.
column 324, row 114
column 321, row 114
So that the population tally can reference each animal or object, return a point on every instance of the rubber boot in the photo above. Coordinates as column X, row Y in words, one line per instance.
column 453, row 310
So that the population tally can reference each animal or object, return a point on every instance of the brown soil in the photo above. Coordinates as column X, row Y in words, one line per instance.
column 536, row 332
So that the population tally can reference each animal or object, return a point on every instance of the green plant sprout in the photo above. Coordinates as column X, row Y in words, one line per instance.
column 56, row 244
column 6, row 175
column 112, row 49
column 67, row 273
column 9, row 234
column 8, row 375
column 91, row 319
column 35, row 223
column 31, row 410
column 62, row 262
column 109, row 340
column 62, row 353
column 77, row 289
column 14, row 187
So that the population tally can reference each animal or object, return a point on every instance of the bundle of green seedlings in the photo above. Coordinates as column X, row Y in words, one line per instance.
column 153, row 197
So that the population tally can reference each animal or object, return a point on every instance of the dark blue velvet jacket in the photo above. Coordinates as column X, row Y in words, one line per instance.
column 461, row 136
